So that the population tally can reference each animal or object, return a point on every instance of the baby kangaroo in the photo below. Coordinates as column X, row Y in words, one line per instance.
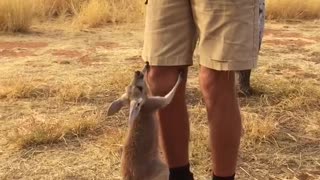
column 140, row 157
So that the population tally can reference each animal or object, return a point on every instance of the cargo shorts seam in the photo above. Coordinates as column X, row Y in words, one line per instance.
column 255, row 30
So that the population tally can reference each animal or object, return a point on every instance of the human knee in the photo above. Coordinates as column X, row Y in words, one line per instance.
column 162, row 79
column 216, row 84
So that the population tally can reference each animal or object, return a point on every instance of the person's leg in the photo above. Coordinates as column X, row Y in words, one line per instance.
column 169, row 41
column 245, row 75
column 244, row 83
column 219, row 95
column 228, row 43
column 173, row 120
column 174, row 124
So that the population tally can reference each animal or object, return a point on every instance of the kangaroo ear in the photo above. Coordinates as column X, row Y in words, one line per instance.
column 157, row 102
column 146, row 68
column 116, row 105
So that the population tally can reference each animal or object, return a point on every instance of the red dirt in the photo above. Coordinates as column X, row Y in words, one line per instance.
column 92, row 50
column 286, row 42
column 107, row 45
column 281, row 33
column 27, row 45
column 317, row 38
column 12, row 53
column 286, row 34
column 86, row 60
column 66, row 53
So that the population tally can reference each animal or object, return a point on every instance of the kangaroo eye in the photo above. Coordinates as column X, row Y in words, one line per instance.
column 140, row 88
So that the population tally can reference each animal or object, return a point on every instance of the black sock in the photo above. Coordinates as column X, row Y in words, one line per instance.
column 181, row 173
column 223, row 178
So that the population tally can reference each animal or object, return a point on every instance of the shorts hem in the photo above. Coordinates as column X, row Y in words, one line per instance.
column 169, row 61
column 229, row 65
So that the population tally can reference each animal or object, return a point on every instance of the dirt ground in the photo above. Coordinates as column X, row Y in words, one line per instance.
column 54, row 73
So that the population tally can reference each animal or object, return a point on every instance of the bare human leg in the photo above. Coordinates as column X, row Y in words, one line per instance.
column 173, row 120
column 220, row 98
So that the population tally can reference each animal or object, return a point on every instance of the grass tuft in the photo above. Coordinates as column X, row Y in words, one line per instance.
column 292, row 9
column 98, row 12
column 74, row 91
column 38, row 130
column 257, row 129
column 23, row 88
column 313, row 124
column 94, row 13
column 56, row 8
column 15, row 15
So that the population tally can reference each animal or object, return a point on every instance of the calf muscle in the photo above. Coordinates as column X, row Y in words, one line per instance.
column 224, row 119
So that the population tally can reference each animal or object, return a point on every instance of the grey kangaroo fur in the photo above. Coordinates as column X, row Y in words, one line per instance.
column 140, row 158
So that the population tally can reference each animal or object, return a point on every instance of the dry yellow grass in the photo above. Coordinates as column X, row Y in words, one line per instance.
column 15, row 15
column 72, row 90
column 292, row 9
column 94, row 13
column 258, row 129
column 313, row 124
column 53, row 125
column 23, row 88
column 56, row 8
column 38, row 129
column 99, row 12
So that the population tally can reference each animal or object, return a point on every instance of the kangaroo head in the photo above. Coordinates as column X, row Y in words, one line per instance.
column 135, row 96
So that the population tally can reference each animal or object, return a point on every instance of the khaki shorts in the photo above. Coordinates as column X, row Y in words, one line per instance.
column 227, row 30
